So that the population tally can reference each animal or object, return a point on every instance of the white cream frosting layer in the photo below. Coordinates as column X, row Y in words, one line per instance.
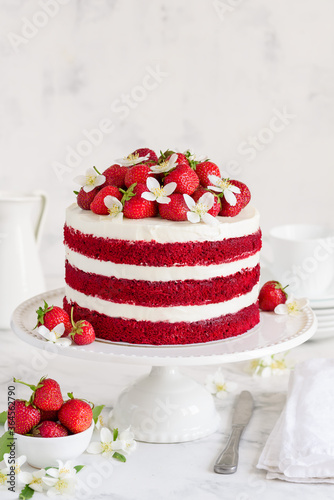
column 162, row 230
column 146, row 273
column 169, row 314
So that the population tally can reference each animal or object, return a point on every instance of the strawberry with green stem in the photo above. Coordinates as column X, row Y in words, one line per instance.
column 136, row 207
column 272, row 294
column 46, row 394
column 82, row 331
column 75, row 414
column 51, row 316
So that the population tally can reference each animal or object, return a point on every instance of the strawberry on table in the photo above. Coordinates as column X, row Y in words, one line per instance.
column 82, row 332
column 186, row 179
column 176, row 209
column 76, row 415
column 51, row 316
column 46, row 394
column 22, row 416
column 98, row 206
column 136, row 207
column 49, row 429
column 271, row 295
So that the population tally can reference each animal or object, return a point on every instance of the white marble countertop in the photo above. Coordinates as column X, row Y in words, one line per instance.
column 173, row 471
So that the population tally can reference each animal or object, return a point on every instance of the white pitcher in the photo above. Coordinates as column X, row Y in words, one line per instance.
column 21, row 274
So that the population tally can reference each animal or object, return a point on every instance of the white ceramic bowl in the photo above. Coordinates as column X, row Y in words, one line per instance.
column 44, row 452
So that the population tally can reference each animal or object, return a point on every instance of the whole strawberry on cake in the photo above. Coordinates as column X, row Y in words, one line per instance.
column 162, row 251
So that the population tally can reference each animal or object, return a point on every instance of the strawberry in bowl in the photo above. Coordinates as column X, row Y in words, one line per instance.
column 64, row 437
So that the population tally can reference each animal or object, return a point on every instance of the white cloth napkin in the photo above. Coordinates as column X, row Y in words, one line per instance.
column 300, row 448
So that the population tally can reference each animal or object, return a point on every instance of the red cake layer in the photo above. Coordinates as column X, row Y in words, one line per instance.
column 164, row 333
column 151, row 253
column 162, row 293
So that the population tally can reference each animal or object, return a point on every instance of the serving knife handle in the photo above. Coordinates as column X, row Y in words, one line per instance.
column 227, row 462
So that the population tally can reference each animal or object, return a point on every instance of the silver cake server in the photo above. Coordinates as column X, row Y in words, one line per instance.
column 227, row 462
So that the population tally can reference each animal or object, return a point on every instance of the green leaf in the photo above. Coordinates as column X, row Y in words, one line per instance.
column 3, row 417
column 115, row 434
column 5, row 441
column 96, row 412
column 128, row 193
column 26, row 493
column 78, row 468
column 119, row 456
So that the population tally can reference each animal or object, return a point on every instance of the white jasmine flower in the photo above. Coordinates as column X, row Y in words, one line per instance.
column 292, row 307
column 224, row 186
column 34, row 479
column 132, row 159
column 165, row 166
column 217, row 385
column 114, row 207
column 199, row 211
column 90, row 180
column 17, row 467
column 157, row 192
column 54, row 335
column 61, row 480
column 106, row 446
column 194, row 157
column 100, row 422
column 63, row 470
column 126, row 437
column 60, row 486
column 275, row 364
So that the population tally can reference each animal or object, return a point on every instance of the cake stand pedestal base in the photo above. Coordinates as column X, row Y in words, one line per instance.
column 165, row 407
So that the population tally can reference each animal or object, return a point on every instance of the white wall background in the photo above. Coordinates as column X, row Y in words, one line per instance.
column 248, row 82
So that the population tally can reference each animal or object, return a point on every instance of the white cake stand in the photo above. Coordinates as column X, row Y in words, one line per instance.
column 166, row 406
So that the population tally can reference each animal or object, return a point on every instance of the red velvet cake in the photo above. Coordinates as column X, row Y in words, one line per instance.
column 143, row 277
